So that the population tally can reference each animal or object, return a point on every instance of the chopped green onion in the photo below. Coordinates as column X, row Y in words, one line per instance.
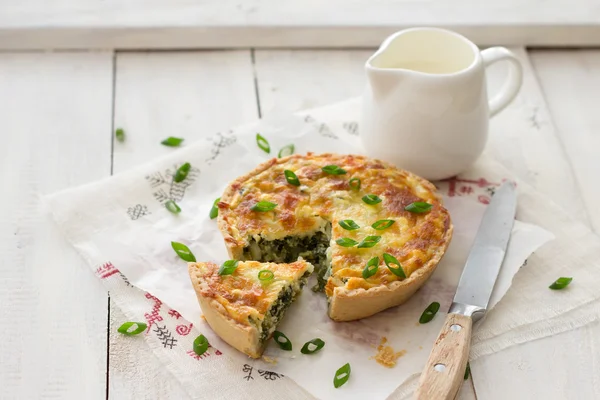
column 371, row 199
column 354, row 184
column 560, row 283
column 286, row 151
column 228, row 267
column 173, row 207
column 371, row 268
column 200, row 345
column 312, row 346
column 348, row 224
column 263, row 206
column 346, row 242
column 418, row 207
column 390, row 259
column 263, row 143
column 265, row 275
column 333, row 170
column 172, row 141
column 467, row 371
column 291, row 177
column 283, row 341
column 120, row 135
column 369, row 241
column 183, row 252
column 182, row 172
column 383, row 224
column 429, row 312
column 341, row 375
column 214, row 211
column 125, row 329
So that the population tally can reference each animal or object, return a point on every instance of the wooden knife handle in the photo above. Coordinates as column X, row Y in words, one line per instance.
column 445, row 369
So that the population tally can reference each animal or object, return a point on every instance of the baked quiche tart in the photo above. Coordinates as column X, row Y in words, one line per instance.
column 243, row 301
column 374, row 233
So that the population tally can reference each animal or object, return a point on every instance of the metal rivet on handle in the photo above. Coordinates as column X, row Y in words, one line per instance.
column 455, row 328
column 439, row 367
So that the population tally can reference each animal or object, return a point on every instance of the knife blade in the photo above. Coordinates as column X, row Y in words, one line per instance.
column 444, row 371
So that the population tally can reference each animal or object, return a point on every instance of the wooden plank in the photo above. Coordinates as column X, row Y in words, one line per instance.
column 571, row 82
column 183, row 94
column 154, row 24
column 56, row 131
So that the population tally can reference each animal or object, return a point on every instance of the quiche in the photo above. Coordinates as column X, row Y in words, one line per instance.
column 244, row 307
column 373, row 232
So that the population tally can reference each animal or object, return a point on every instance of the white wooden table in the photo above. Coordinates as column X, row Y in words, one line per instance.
column 58, row 114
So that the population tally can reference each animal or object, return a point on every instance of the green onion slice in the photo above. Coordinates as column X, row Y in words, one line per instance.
column 286, row 151
column 312, row 346
column 467, row 371
column 560, row 283
column 369, row 241
column 263, row 143
column 429, row 312
column 371, row 268
column 283, row 341
column 348, row 224
column 418, row 207
column 382, row 224
column 173, row 207
column 120, row 135
column 354, row 184
column 228, row 267
column 390, row 259
column 265, row 275
column 183, row 252
column 263, row 206
column 138, row 327
column 346, row 242
column 172, row 141
column 182, row 172
column 341, row 375
column 291, row 177
column 214, row 211
column 333, row 170
column 200, row 345
column 371, row 199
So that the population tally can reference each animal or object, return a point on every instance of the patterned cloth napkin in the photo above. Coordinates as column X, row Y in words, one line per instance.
column 528, row 311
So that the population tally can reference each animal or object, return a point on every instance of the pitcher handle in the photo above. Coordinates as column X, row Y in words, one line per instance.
column 513, row 82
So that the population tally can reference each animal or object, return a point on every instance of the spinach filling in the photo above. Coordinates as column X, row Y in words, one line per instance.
column 311, row 248
column 279, row 307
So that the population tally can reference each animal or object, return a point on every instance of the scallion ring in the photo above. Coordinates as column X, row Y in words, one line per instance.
column 228, row 267
column 467, row 371
column 354, row 184
column 263, row 206
column 286, row 151
column 382, row 224
column 120, row 135
column 172, row 206
column 348, row 224
column 390, row 259
column 200, row 345
column 560, row 283
column 282, row 340
column 172, row 141
column 214, row 210
column 429, row 312
column 418, row 207
column 291, row 177
column 138, row 327
column 369, row 241
column 312, row 346
column 265, row 275
column 183, row 252
column 371, row 199
column 341, row 375
column 346, row 242
column 371, row 268
column 333, row 170
column 182, row 172
column 263, row 143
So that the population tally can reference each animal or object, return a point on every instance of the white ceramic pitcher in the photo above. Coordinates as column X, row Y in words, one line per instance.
column 425, row 107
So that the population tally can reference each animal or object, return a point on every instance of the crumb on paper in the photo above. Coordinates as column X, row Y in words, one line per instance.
column 203, row 317
column 420, row 347
column 386, row 355
column 270, row 360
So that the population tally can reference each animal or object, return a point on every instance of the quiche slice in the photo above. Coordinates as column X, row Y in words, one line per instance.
column 243, row 308
column 340, row 212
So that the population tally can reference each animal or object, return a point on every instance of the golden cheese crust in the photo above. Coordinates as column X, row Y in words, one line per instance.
column 418, row 241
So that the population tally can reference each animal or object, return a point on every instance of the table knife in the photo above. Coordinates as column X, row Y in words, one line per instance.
column 445, row 368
